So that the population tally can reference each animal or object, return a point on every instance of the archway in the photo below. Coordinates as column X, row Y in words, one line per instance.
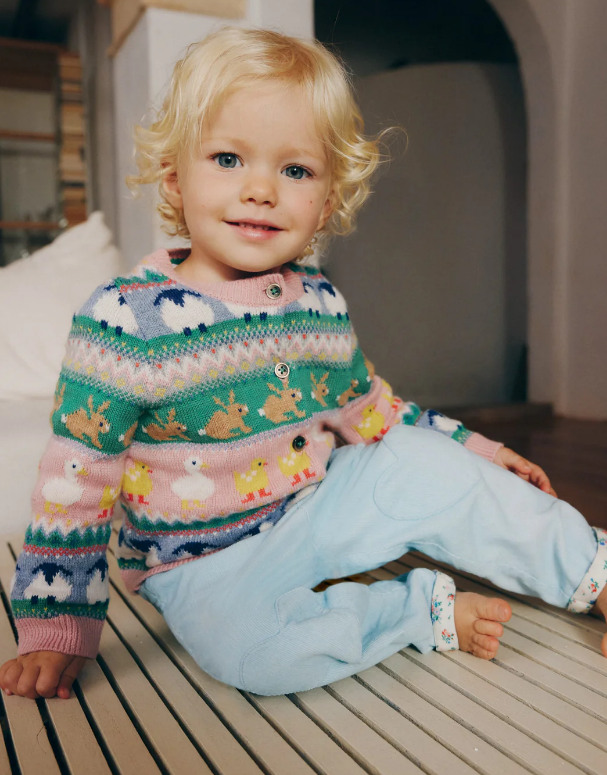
column 450, row 297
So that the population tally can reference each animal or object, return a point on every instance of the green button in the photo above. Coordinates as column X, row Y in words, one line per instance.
column 299, row 442
column 274, row 291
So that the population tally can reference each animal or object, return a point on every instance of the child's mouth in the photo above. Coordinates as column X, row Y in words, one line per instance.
column 254, row 226
column 255, row 232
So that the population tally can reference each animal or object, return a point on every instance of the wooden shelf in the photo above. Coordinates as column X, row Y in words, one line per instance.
column 44, row 137
column 30, row 225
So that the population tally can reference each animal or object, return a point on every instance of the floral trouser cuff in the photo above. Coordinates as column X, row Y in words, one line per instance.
column 443, row 609
column 595, row 579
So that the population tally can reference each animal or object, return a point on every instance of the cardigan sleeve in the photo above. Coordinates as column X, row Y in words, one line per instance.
column 374, row 409
column 60, row 589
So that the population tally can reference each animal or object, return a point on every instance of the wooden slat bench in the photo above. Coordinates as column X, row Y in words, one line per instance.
column 145, row 707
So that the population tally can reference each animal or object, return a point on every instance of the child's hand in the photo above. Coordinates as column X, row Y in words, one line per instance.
column 41, row 674
column 511, row 461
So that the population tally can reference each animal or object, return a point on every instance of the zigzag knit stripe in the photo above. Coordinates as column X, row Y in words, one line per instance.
column 74, row 541
column 145, row 380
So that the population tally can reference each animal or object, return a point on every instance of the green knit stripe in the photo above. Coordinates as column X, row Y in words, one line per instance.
column 76, row 539
column 84, row 327
column 143, row 524
column 132, row 564
column 310, row 271
column 105, row 418
column 461, row 435
column 148, row 278
column 42, row 609
column 413, row 415
column 99, row 419
column 238, row 409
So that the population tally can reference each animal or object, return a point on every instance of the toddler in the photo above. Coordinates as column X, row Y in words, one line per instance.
column 219, row 393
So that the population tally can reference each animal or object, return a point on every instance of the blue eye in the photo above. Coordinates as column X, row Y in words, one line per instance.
column 227, row 160
column 296, row 172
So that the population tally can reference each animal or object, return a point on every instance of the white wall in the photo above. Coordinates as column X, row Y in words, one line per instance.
column 563, row 61
column 435, row 275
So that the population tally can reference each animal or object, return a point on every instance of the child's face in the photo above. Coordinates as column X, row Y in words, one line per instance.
column 260, row 187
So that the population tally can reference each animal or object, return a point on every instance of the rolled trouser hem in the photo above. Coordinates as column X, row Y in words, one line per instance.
column 595, row 579
column 443, row 613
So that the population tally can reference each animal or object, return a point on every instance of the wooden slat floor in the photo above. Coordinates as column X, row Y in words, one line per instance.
column 144, row 707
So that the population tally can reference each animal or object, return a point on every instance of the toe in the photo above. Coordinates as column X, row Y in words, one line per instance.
column 604, row 645
column 484, row 646
column 494, row 609
column 488, row 627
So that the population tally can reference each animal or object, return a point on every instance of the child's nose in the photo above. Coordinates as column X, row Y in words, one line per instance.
column 258, row 187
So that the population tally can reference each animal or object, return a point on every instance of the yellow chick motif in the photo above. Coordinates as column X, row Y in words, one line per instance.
column 372, row 423
column 254, row 480
column 293, row 465
column 107, row 502
column 137, row 482
column 194, row 488
column 62, row 491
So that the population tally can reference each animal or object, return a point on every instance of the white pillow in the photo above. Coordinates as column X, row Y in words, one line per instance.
column 38, row 296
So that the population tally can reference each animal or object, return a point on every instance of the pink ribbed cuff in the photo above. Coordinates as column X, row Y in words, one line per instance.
column 482, row 446
column 66, row 634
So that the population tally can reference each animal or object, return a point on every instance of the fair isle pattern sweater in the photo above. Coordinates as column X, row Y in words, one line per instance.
column 206, row 411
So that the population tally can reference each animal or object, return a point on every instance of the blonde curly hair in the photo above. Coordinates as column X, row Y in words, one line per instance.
column 232, row 59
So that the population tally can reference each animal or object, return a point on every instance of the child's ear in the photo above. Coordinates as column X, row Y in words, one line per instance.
column 327, row 210
column 172, row 191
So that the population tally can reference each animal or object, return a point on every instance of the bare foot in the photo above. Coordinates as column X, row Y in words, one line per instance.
column 478, row 623
column 600, row 608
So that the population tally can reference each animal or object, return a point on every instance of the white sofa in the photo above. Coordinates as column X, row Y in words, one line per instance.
column 38, row 296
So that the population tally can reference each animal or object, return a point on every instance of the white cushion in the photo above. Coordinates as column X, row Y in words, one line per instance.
column 38, row 296
column 25, row 435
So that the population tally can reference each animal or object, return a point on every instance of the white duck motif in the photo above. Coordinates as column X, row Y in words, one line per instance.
column 62, row 491
column 195, row 487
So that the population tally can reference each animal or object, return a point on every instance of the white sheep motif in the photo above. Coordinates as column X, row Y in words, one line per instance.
column 333, row 300
column 310, row 301
column 97, row 590
column 184, row 311
column 111, row 309
column 50, row 583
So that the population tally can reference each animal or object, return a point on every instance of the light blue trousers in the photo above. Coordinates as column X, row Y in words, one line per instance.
column 248, row 614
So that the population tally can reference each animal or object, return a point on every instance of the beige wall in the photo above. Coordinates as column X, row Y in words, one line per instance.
column 435, row 274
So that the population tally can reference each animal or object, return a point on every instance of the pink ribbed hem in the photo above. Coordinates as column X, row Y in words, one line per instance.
column 66, row 634
column 133, row 579
column 482, row 446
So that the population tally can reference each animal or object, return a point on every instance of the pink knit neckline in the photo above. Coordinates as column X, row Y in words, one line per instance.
column 247, row 291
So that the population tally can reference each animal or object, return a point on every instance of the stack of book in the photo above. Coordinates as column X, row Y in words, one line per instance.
column 72, row 162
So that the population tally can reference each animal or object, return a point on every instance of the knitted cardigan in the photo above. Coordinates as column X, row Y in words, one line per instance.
column 206, row 412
